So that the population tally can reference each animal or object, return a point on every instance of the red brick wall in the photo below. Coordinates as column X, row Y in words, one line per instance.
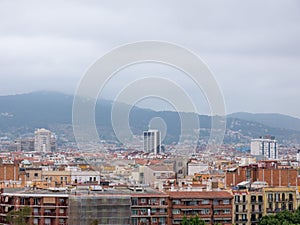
column 9, row 172
column 273, row 176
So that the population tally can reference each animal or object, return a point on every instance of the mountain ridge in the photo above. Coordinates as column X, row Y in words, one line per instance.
column 22, row 113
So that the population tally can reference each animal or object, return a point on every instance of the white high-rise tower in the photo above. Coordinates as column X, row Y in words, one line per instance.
column 265, row 146
column 152, row 141
column 42, row 140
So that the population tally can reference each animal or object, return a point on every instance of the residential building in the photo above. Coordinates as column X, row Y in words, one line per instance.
column 105, row 208
column 247, row 206
column 279, row 199
column 149, row 208
column 211, row 206
column 152, row 141
column 44, row 141
column 47, row 208
column 265, row 146
column 157, row 175
column 270, row 172
column 24, row 144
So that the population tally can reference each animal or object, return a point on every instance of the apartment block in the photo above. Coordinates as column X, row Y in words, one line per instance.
column 268, row 171
column 157, row 175
column 247, row 207
column 103, row 208
column 279, row 199
column 47, row 208
column 149, row 208
column 211, row 206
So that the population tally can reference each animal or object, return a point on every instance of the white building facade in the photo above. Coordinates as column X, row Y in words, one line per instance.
column 265, row 146
column 152, row 141
column 42, row 140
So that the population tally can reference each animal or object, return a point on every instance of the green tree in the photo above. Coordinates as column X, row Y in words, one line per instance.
column 282, row 218
column 19, row 217
column 94, row 222
column 192, row 221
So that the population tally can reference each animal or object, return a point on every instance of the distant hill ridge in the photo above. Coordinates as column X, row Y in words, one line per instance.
column 270, row 119
column 24, row 112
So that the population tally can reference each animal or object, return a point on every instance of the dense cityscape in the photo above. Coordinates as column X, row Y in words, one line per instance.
column 153, row 185
column 154, row 112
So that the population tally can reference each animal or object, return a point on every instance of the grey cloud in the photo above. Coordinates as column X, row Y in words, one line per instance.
column 252, row 46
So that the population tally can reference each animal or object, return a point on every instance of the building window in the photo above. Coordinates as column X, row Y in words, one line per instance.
column 143, row 211
column 244, row 198
column 277, row 197
column 291, row 197
column 134, row 221
column 216, row 202
column 204, row 211
column 227, row 211
column 35, row 211
column 205, row 202
column 61, row 200
column 47, row 221
column 162, row 220
column 270, row 197
column 226, row 202
column 191, row 203
column 36, row 201
column 134, row 201
column 175, row 211
column 236, row 198
column 143, row 201
column 176, row 202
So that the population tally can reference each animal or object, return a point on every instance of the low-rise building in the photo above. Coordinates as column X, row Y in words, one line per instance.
column 157, row 175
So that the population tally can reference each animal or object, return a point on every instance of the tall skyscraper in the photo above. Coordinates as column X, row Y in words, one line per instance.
column 265, row 146
column 42, row 140
column 152, row 142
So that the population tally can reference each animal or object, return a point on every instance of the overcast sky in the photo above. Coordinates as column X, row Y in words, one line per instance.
column 252, row 47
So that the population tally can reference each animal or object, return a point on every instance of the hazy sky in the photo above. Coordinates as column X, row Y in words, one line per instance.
column 251, row 46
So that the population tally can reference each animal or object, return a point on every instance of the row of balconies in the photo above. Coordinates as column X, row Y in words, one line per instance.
column 210, row 215
column 241, row 202
column 202, row 205
column 146, row 204
column 280, row 200
column 50, row 214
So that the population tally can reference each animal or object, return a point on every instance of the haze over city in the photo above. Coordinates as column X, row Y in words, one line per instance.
column 252, row 47
column 209, row 132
